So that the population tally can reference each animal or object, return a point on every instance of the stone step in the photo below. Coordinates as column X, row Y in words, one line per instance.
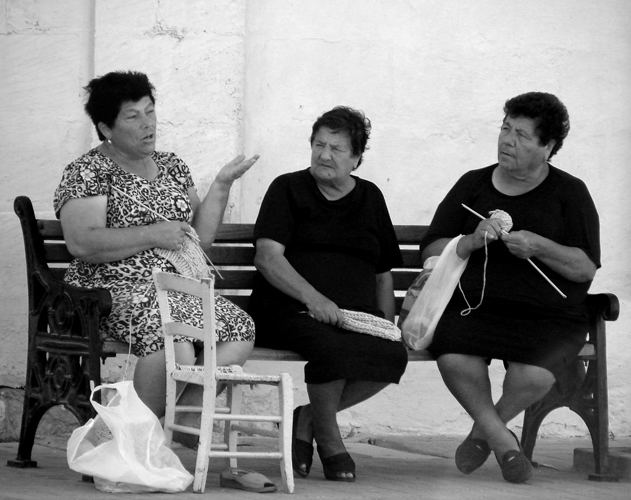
column 619, row 461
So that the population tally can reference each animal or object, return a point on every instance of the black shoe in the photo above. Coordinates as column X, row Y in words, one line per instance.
column 515, row 466
column 336, row 465
column 471, row 454
column 301, row 451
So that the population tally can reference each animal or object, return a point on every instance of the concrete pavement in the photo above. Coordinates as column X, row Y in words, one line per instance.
column 388, row 467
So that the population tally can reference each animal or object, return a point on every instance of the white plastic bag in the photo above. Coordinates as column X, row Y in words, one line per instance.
column 418, row 328
column 123, row 447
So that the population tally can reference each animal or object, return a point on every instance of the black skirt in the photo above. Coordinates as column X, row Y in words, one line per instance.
column 509, row 331
column 333, row 353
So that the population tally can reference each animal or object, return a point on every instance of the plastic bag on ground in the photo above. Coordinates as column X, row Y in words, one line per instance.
column 124, row 448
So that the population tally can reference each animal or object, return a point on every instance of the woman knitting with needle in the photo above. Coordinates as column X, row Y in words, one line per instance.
column 127, row 209
column 522, row 294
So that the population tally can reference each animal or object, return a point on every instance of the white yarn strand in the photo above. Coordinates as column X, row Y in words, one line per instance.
column 466, row 311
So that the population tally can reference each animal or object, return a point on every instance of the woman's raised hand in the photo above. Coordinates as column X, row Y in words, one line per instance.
column 234, row 169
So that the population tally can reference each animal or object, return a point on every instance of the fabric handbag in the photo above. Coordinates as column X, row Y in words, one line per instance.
column 415, row 288
column 436, row 289
column 123, row 447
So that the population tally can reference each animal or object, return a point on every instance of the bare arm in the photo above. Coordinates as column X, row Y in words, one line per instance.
column 570, row 262
column 434, row 248
column 270, row 260
column 385, row 294
column 208, row 214
column 87, row 237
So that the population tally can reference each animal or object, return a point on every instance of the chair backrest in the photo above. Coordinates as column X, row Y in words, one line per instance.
column 203, row 289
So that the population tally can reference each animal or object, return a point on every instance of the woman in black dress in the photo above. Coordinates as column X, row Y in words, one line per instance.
column 521, row 319
column 325, row 242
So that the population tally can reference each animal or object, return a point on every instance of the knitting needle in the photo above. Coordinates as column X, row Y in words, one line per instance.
column 531, row 262
column 190, row 234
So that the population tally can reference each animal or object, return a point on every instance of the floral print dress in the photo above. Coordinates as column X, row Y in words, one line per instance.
column 135, row 316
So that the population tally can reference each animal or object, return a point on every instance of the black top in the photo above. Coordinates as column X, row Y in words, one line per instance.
column 560, row 209
column 337, row 246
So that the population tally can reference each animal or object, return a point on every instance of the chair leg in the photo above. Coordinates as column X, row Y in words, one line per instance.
column 234, row 398
column 169, row 412
column 205, row 440
column 286, row 403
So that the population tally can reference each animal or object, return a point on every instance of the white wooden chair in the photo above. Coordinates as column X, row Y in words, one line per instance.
column 209, row 376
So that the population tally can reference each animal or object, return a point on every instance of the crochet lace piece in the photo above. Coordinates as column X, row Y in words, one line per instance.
column 361, row 322
column 190, row 260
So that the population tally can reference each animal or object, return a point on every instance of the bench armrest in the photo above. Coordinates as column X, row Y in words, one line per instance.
column 64, row 316
column 605, row 305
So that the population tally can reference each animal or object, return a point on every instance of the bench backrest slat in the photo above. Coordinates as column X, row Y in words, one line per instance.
column 233, row 253
column 50, row 229
column 56, row 252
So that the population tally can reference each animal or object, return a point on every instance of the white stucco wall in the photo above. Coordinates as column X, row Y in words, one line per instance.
column 433, row 77
column 252, row 76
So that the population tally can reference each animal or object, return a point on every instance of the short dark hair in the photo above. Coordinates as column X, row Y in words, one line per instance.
column 349, row 120
column 107, row 93
column 552, row 122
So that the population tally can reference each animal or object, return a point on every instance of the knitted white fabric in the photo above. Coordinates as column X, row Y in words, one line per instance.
column 361, row 322
column 190, row 261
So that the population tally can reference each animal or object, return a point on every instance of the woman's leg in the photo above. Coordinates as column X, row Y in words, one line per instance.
column 324, row 401
column 467, row 379
column 354, row 392
column 357, row 391
column 228, row 353
column 233, row 353
column 523, row 386
column 150, row 381
column 150, row 375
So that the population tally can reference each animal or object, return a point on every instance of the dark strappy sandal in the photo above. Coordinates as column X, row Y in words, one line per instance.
column 301, row 451
column 336, row 465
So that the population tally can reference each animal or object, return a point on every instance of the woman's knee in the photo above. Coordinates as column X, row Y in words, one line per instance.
column 529, row 378
column 234, row 353
column 461, row 364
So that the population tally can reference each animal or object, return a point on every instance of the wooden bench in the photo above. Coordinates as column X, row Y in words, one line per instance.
column 65, row 349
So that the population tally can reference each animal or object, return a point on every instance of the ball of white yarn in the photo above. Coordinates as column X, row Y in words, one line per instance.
column 506, row 221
